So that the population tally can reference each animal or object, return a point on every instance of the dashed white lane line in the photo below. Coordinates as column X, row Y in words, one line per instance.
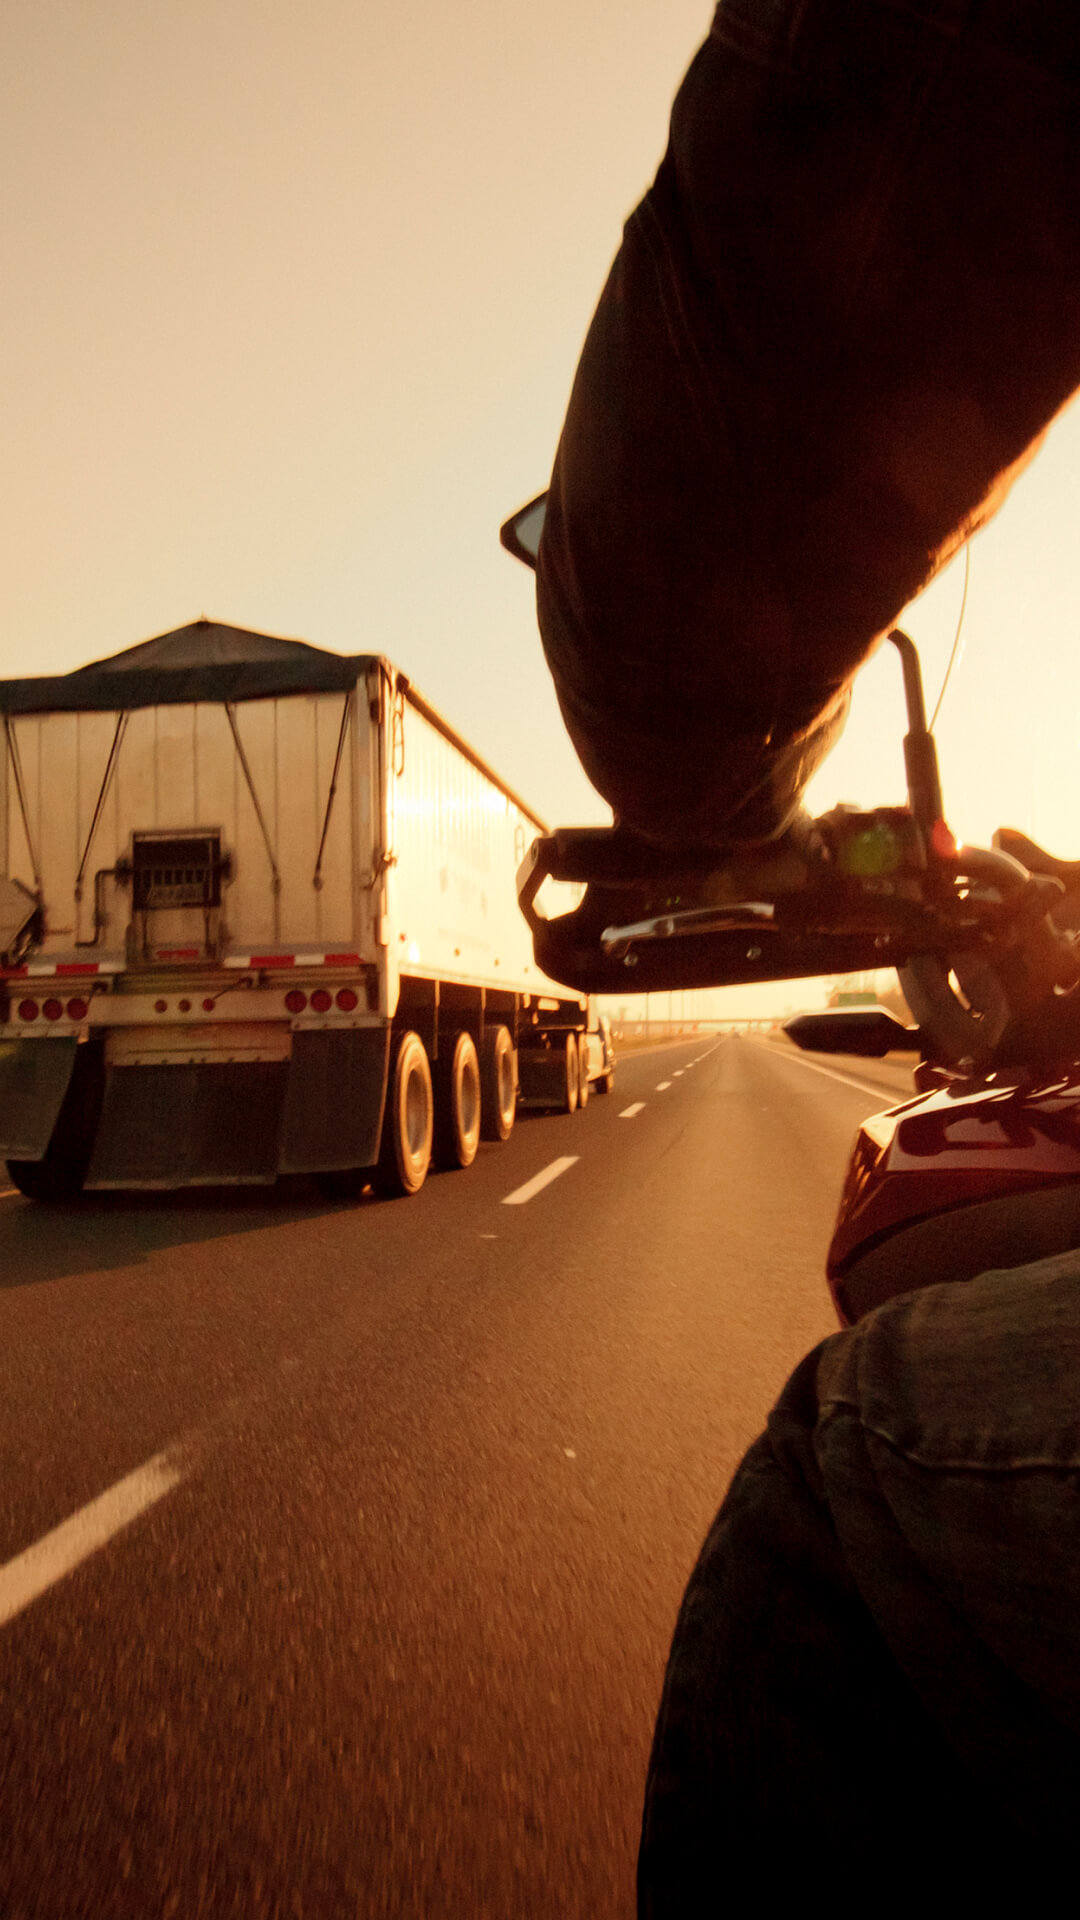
column 540, row 1180
column 662, row 1086
column 629, row 1112
column 58, row 1553
column 678, row 1073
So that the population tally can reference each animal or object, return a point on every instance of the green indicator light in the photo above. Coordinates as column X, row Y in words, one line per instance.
column 878, row 850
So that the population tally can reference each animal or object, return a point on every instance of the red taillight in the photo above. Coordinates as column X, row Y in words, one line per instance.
column 208, row 1005
column 78, row 1009
column 321, row 1000
column 185, row 1006
column 28, row 1009
column 295, row 1001
column 346, row 999
column 53, row 1009
column 161, row 1006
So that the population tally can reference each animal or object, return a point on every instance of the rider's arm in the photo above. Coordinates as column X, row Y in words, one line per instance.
column 836, row 325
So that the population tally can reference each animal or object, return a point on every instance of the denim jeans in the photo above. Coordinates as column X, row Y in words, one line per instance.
column 878, row 1653
column 837, row 324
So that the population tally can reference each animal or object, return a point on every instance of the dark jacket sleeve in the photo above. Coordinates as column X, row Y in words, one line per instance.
column 878, row 1652
column 836, row 326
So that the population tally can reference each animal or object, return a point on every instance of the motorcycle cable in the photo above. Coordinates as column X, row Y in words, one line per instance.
column 955, row 654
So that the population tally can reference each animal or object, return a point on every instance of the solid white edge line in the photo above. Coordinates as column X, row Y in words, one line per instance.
column 58, row 1553
column 540, row 1180
column 629, row 1112
column 845, row 1079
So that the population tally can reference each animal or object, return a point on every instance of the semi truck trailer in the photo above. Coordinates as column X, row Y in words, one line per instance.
column 258, row 917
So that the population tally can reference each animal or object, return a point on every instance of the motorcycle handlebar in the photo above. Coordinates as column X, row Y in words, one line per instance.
column 859, row 892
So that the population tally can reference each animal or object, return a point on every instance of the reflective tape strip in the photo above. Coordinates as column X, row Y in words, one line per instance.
column 242, row 962
column 266, row 962
column 55, row 969
column 50, row 969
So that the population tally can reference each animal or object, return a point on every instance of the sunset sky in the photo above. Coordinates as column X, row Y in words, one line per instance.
column 292, row 302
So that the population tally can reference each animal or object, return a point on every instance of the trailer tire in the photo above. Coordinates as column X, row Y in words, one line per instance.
column 498, row 1084
column 571, row 1075
column 583, row 1070
column 408, row 1122
column 603, row 1085
column 458, row 1104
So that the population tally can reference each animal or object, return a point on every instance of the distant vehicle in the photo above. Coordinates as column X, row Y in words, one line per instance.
column 258, row 916
column 601, row 1054
column 863, row 1028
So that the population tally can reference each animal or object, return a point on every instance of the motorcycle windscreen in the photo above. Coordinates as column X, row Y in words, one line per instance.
column 34, row 1077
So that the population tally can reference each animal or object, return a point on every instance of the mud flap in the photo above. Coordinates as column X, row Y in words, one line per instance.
column 34, row 1077
column 541, row 1077
column 334, row 1104
column 191, row 1125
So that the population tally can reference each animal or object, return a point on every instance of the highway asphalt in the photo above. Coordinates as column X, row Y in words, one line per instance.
column 342, row 1544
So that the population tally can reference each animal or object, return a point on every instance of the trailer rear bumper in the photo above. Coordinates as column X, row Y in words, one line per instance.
column 166, row 1124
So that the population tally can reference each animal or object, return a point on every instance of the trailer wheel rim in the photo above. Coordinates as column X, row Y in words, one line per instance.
column 413, row 1116
column 498, row 1084
column 459, row 1105
column 506, row 1083
column 469, row 1098
column 571, row 1074
column 416, row 1114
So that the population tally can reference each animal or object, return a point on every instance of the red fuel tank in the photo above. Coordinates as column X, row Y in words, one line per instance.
column 955, row 1183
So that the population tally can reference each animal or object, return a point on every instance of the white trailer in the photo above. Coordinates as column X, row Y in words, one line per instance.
column 258, row 916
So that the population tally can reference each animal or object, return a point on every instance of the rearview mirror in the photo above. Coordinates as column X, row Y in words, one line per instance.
column 520, row 534
column 869, row 1031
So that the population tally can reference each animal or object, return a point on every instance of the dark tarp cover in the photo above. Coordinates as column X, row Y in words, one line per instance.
column 203, row 661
